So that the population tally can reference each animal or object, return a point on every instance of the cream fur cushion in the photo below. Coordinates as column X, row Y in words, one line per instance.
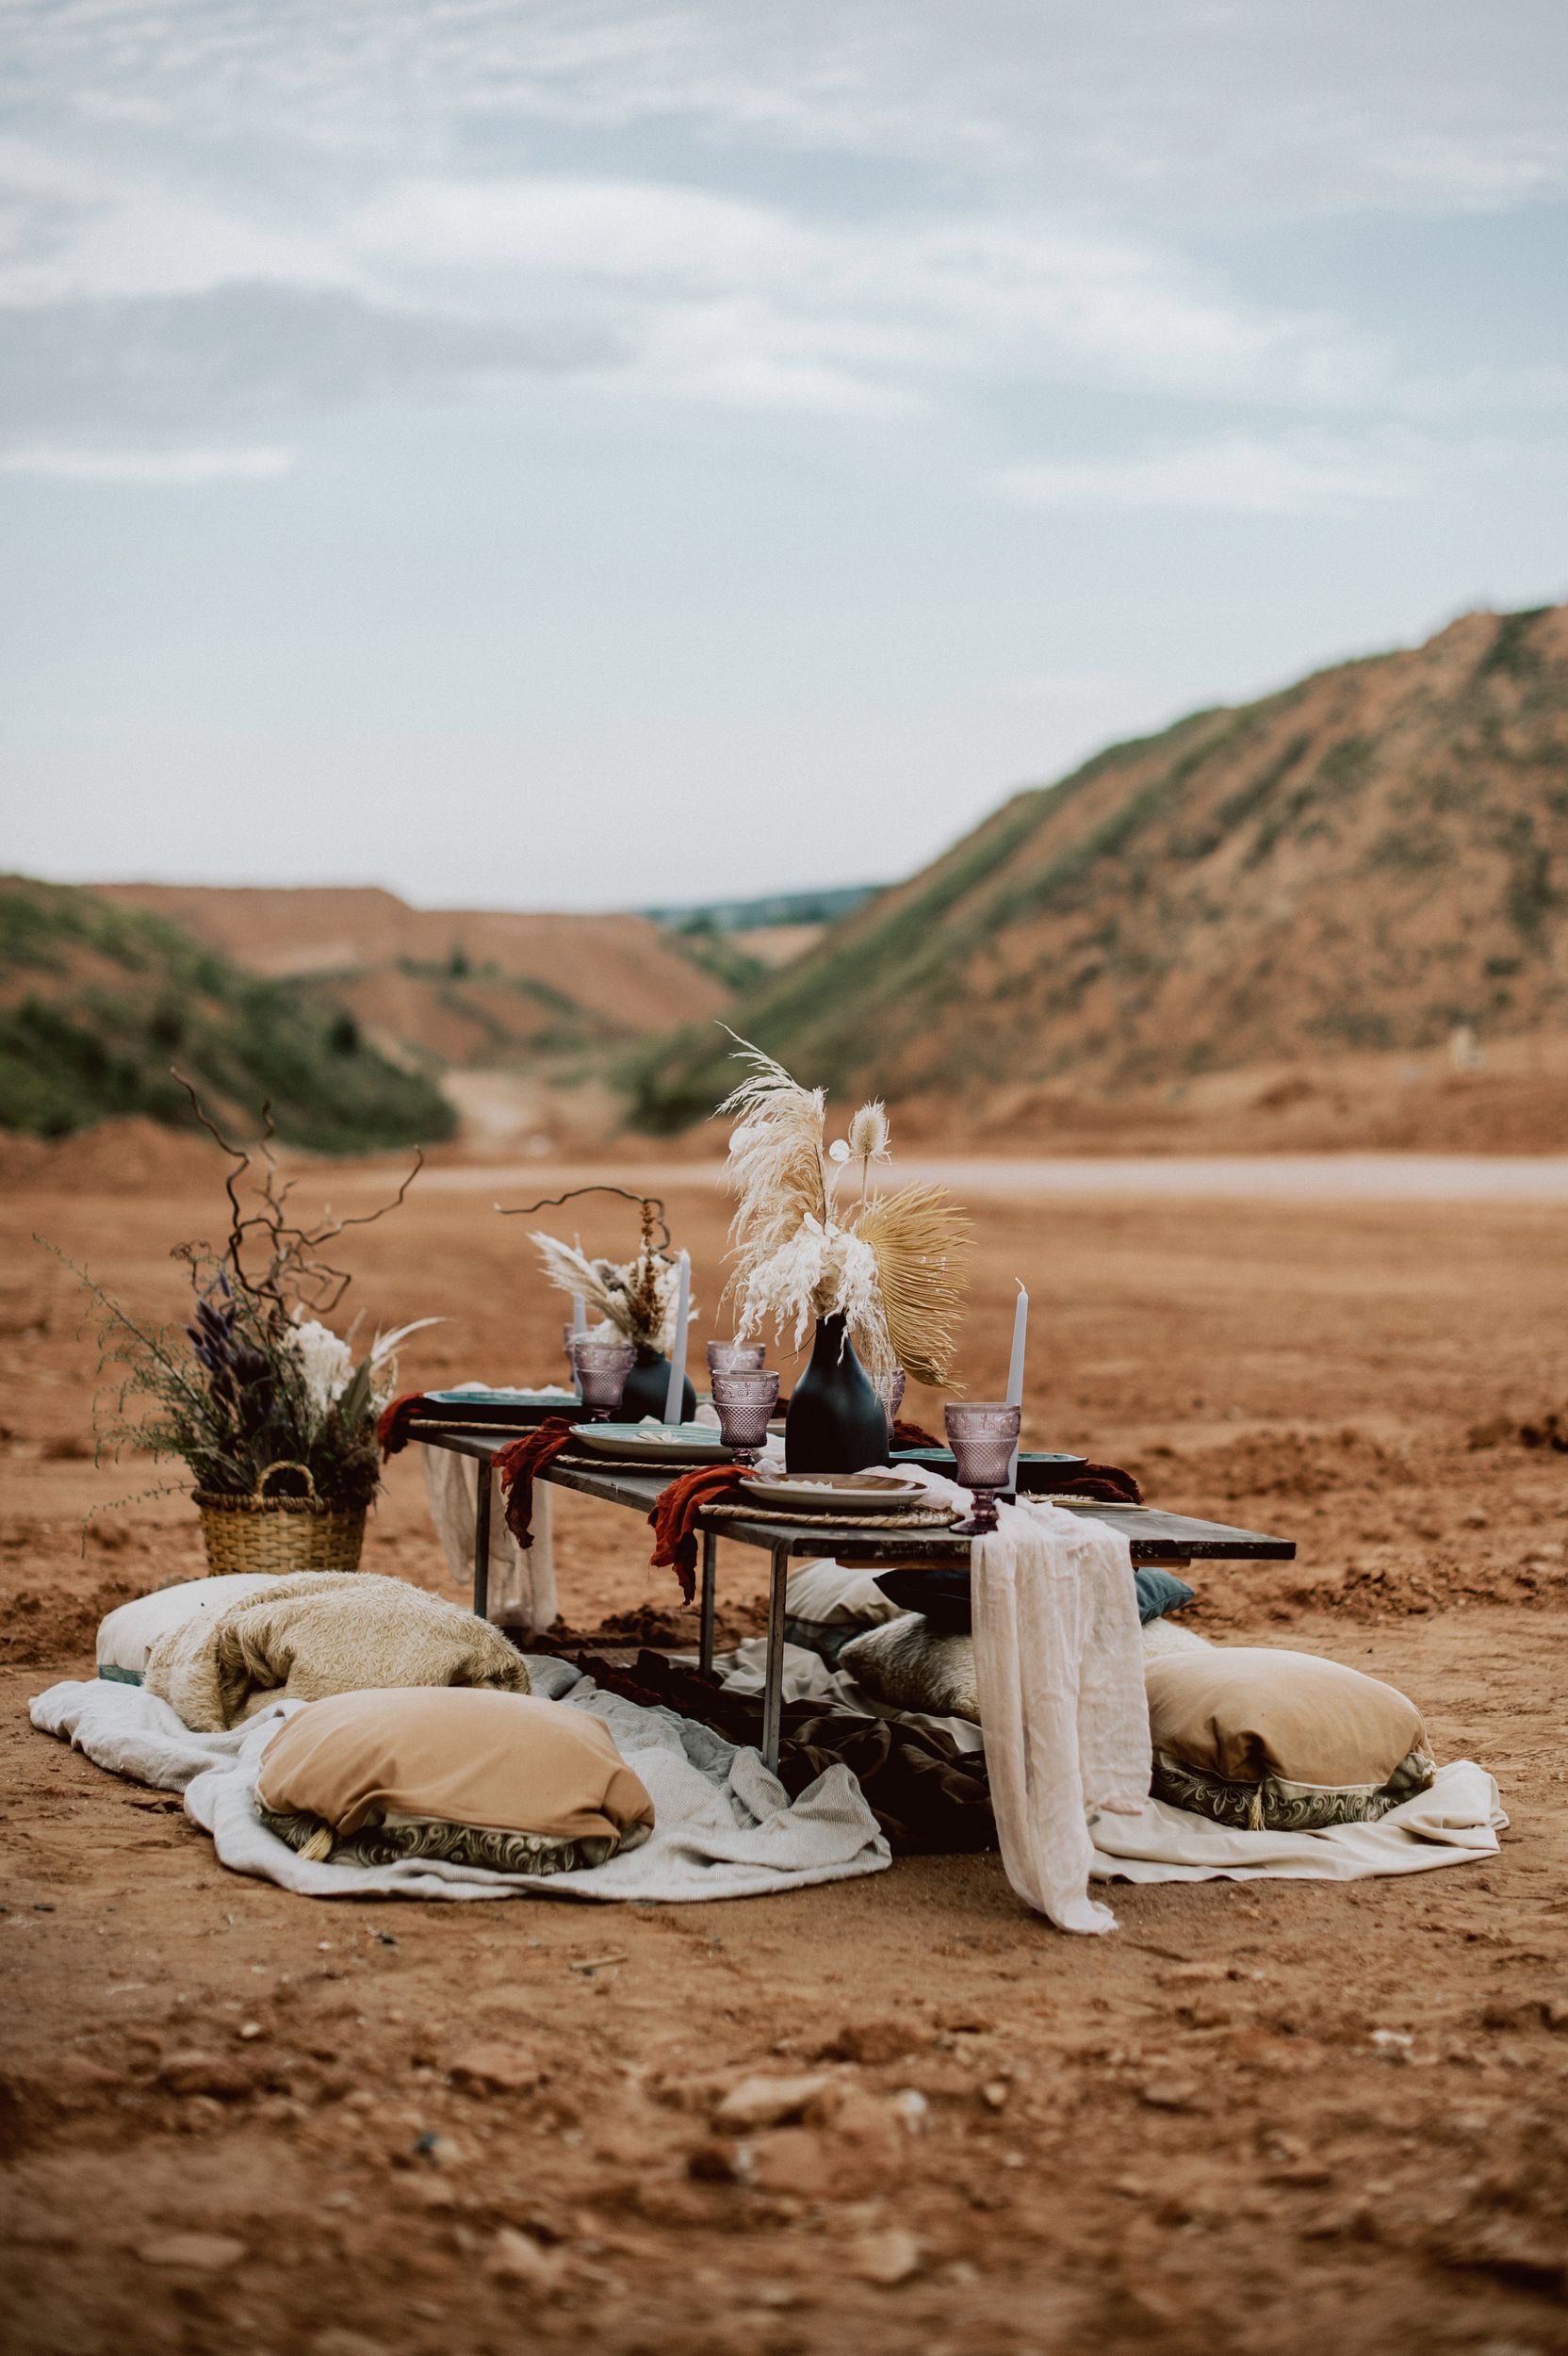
column 127, row 1634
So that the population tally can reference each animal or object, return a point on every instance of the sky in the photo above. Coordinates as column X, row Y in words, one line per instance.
column 599, row 455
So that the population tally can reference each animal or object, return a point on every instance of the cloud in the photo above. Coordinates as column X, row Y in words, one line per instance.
column 221, row 219
column 156, row 468
column 186, row 370
column 1236, row 474
column 1265, row 107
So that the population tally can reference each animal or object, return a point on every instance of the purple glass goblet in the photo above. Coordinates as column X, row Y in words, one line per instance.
column 601, row 1370
column 982, row 1434
column 744, row 1404
column 736, row 1357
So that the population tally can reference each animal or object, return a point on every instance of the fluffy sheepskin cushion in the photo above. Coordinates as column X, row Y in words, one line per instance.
column 463, row 1772
column 127, row 1634
column 1284, row 1740
column 908, row 1666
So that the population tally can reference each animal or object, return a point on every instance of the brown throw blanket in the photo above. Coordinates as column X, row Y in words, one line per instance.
column 927, row 1795
column 324, row 1632
column 1106, row 1483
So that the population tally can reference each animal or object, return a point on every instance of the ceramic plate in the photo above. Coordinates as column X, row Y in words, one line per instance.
column 672, row 1444
column 839, row 1493
column 558, row 1399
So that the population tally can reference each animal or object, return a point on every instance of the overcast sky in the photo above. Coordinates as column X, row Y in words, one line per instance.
column 590, row 454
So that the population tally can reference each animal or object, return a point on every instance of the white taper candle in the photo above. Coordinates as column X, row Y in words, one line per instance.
column 579, row 1314
column 678, row 1355
column 1015, row 1365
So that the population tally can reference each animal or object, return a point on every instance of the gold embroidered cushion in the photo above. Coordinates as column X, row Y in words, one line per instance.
column 468, row 1756
column 1257, row 1737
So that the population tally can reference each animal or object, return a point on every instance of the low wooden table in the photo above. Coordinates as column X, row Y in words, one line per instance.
column 1153, row 1537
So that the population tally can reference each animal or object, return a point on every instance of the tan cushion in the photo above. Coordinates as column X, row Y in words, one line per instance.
column 466, row 1755
column 1245, row 1711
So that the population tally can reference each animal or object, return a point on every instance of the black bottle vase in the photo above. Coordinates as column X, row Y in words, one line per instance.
column 835, row 1423
column 648, row 1387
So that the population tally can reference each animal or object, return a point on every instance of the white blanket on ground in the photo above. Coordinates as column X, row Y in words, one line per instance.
column 724, row 1827
column 1457, row 1820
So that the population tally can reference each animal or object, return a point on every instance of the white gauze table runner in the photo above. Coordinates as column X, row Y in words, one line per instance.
column 1058, row 1666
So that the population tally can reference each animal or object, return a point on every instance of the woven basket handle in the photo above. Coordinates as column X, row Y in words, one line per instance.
column 258, row 1495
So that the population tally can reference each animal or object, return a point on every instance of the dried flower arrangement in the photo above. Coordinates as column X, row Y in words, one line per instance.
column 636, row 1297
column 892, row 1266
column 258, row 1378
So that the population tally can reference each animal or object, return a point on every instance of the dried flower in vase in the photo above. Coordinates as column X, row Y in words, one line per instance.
column 636, row 1298
column 893, row 1267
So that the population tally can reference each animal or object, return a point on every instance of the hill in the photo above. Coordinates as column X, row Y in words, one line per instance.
column 453, row 987
column 97, row 1002
column 1357, row 864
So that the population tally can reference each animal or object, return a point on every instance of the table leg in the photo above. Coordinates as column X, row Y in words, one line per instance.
column 709, row 1587
column 772, row 1675
column 482, row 1540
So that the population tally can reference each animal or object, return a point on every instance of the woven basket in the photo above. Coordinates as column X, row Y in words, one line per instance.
column 262, row 1534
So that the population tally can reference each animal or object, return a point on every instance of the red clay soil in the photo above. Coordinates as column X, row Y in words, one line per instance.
column 1254, row 2119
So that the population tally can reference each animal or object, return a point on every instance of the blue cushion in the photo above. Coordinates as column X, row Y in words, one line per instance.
column 1160, row 1592
column 942, row 1595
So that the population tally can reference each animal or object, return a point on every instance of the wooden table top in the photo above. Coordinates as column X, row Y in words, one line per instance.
column 1153, row 1536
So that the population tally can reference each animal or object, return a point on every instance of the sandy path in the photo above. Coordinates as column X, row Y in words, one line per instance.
column 1183, row 2138
column 1220, row 1177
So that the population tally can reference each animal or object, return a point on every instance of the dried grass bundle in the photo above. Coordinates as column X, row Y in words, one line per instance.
column 776, row 1170
column 636, row 1297
column 893, row 1267
column 922, row 1241
column 570, row 1270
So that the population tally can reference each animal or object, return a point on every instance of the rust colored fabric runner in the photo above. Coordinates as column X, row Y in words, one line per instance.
column 672, row 1519
column 519, row 1465
column 392, row 1424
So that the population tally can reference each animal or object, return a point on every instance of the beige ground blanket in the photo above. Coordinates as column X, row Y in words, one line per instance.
column 324, row 1632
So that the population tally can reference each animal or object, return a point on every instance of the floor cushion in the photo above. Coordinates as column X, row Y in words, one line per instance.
column 1256, row 1737
column 827, row 1603
column 467, row 1773
column 909, row 1665
column 127, row 1634
column 940, row 1593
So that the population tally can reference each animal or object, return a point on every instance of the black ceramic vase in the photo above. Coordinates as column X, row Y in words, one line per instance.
column 835, row 1423
column 647, row 1387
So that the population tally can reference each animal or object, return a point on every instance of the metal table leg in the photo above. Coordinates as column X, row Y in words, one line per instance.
column 709, row 1586
column 482, row 1540
column 773, row 1685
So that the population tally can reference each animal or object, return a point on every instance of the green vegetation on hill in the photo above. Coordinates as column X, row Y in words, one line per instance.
column 98, row 1001
column 825, row 907
column 1362, row 860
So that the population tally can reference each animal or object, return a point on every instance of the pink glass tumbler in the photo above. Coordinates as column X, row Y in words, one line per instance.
column 601, row 1369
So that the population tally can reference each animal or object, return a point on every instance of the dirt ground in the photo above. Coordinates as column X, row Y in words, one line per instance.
column 1254, row 2119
